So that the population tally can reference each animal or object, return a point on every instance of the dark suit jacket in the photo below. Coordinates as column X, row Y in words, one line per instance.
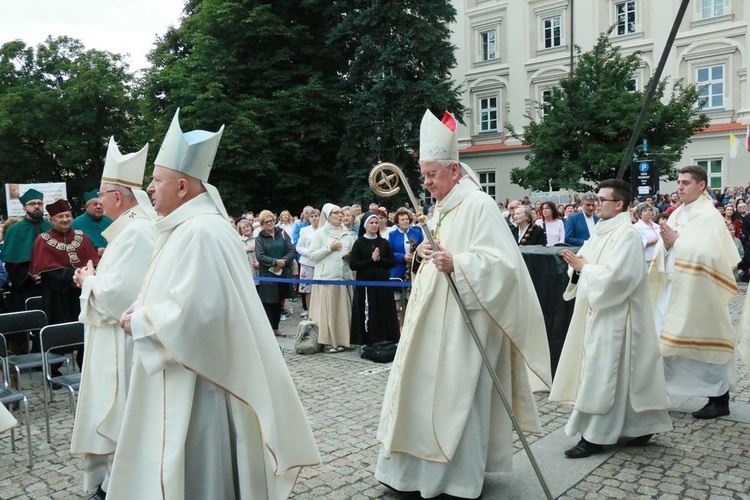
column 576, row 230
column 537, row 235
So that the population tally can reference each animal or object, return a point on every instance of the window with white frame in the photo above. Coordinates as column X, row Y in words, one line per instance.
column 488, row 114
column 625, row 17
column 711, row 8
column 710, row 81
column 546, row 106
column 488, row 40
column 713, row 168
column 552, row 32
column 632, row 85
column 487, row 181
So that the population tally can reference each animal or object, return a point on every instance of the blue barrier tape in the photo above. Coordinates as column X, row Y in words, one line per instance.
column 391, row 284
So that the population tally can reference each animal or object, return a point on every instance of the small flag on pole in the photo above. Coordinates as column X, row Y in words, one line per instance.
column 747, row 138
column 733, row 145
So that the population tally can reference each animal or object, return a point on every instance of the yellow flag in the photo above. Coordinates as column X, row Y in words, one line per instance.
column 733, row 145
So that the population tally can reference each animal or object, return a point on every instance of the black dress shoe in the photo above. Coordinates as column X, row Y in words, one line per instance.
column 712, row 409
column 100, row 494
column 640, row 440
column 584, row 449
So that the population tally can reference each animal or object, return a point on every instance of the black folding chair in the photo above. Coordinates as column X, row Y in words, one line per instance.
column 60, row 337
column 26, row 323
column 34, row 303
column 9, row 396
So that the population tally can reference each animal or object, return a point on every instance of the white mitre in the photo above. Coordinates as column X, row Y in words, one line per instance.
column 124, row 170
column 438, row 140
column 193, row 154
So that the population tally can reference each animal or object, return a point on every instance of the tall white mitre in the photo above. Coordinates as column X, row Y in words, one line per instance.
column 191, row 153
column 438, row 140
column 124, row 170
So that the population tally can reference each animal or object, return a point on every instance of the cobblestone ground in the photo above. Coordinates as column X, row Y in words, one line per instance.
column 342, row 397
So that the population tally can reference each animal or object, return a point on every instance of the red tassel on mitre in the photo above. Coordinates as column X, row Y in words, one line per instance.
column 449, row 121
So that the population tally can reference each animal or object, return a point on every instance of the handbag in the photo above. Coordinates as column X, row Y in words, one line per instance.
column 380, row 352
column 306, row 339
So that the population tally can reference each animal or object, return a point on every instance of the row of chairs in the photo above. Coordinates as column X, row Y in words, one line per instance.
column 55, row 342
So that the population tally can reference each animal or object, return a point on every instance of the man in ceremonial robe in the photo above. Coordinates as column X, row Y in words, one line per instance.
column 93, row 221
column 106, row 292
column 692, row 284
column 611, row 368
column 55, row 256
column 18, row 241
column 211, row 411
column 442, row 423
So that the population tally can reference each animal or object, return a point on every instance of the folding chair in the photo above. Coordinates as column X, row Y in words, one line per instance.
column 26, row 323
column 63, row 336
column 34, row 303
column 8, row 396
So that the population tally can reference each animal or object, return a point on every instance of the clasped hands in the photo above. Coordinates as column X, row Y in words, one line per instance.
column 441, row 257
column 83, row 272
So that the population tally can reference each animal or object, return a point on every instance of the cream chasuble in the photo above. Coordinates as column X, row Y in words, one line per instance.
column 108, row 350
column 610, row 367
column 437, row 371
column 212, row 411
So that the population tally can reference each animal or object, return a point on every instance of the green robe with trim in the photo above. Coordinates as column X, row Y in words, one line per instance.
column 92, row 228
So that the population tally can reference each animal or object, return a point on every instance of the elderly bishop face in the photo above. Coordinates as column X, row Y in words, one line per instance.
column 167, row 190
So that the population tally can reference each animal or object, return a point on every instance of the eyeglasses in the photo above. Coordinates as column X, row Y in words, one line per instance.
column 35, row 204
column 429, row 176
column 602, row 200
column 267, row 221
column 101, row 194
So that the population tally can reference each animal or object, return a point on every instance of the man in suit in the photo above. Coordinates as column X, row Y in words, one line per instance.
column 580, row 226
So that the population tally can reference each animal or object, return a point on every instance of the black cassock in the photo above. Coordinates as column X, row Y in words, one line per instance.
column 374, row 317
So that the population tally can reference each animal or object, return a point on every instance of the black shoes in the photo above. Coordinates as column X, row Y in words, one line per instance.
column 640, row 440
column 584, row 449
column 717, row 406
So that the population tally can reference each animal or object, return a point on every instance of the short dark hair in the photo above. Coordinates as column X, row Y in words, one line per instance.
column 696, row 172
column 552, row 208
column 620, row 189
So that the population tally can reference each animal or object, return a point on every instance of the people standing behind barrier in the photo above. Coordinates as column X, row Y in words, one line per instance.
column 649, row 231
column 554, row 228
column 306, row 264
column 580, row 226
column 525, row 232
column 330, row 305
column 286, row 223
column 348, row 220
column 274, row 253
column 404, row 241
column 245, row 228
column 373, row 312
column 731, row 220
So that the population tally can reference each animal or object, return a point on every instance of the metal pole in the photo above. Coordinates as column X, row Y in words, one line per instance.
column 390, row 177
column 628, row 156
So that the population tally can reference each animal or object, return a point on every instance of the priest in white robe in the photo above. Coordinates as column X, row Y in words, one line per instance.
column 105, row 294
column 212, row 411
column 692, row 284
column 442, row 424
column 610, row 368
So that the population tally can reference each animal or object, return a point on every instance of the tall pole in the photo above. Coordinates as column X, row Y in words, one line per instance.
column 627, row 158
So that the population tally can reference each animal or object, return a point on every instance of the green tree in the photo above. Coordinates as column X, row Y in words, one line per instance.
column 589, row 118
column 264, row 70
column 399, row 60
column 59, row 103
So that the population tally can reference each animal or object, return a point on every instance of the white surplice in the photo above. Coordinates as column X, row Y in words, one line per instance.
column 442, row 425
column 611, row 368
column 108, row 351
column 7, row 420
column 212, row 411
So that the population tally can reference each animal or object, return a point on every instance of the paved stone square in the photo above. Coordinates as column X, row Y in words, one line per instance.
column 342, row 395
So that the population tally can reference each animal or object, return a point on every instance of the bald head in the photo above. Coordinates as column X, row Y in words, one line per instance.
column 170, row 189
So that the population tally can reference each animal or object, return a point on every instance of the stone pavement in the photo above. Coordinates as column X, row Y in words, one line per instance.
column 342, row 395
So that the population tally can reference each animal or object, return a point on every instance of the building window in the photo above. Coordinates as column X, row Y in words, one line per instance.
column 487, row 181
column 552, row 32
column 710, row 81
column 713, row 168
column 625, row 16
column 489, row 45
column 546, row 107
column 488, row 114
column 632, row 85
column 711, row 8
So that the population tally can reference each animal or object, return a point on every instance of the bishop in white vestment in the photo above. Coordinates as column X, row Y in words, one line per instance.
column 610, row 368
column 212, row 411
column 105, row 294
column 442, row 425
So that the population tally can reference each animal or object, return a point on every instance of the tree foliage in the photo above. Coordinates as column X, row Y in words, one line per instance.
column 589, row 119
column 59, row 103
column 399, row 61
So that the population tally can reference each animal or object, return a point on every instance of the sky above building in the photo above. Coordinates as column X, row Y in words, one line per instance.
column 119, row 26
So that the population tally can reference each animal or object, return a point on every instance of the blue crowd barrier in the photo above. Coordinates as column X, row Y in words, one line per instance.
column 389, row 284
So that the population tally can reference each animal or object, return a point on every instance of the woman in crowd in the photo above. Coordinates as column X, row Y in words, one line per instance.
column 731, row 220
column 373, row 311
column 245, row 228
column 648, row 229
column 285, row 223
column 553, row 227
column 306, row 264
column 274, row 252
column 525, row 232
column 348, row 222
column 384, row 229
column 330, row 305
column 404, row 240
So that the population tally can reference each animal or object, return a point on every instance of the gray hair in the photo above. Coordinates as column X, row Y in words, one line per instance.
column 526, row 212
column 641, row 207
column 588, row 197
